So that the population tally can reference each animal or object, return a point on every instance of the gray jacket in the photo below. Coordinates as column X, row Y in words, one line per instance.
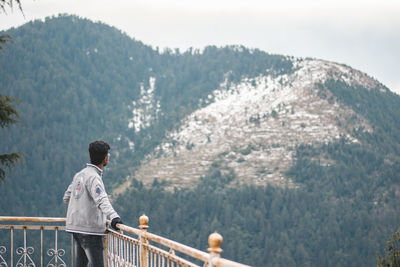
column 88, row 203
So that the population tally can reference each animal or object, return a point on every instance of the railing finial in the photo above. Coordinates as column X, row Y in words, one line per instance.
column 143, row 220
column 215, row 241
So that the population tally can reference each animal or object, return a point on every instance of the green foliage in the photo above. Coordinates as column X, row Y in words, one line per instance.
column 8, row 115
column 8, row 160
column 365, row 174
column 247, row 150
column 275, row 226
column 71, row 96
column 9, row 3
column 274, row 114
column 391, row 254
column 379, row 106
column 4, row 39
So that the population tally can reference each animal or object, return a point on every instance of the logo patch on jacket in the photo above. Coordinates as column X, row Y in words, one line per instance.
column 78, row 190
column 98, row 190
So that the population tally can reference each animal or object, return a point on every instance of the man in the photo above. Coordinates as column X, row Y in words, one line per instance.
column 89, row 207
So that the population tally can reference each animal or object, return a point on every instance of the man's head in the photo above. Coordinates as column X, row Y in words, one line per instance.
column 98, row 151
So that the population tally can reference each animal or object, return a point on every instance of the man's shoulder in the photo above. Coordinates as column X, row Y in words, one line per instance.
column 90, row 173
column 87, row 174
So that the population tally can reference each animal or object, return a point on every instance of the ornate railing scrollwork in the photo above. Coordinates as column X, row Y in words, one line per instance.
column 3, row 263
column 56, row 260
column 25, row 259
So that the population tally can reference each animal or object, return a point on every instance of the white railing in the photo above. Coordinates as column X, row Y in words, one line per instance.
column 130, row 247
column 23, row 254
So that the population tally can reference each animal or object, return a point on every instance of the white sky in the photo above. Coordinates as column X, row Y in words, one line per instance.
column 364, row 34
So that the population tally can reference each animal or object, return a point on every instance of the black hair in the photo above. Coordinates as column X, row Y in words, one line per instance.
column 98, row 151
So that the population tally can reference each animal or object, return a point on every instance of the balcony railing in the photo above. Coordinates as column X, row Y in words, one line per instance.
column 129, row 247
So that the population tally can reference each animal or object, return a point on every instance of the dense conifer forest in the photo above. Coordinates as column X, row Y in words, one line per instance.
column 76, row 81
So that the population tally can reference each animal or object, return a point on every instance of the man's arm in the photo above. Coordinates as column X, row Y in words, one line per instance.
column 67, row 195
column 100, row 197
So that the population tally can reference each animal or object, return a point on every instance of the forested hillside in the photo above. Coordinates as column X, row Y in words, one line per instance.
column 340, row 215
column 79, row 81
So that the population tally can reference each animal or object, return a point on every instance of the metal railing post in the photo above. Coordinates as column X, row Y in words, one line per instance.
column 105, row 250
column 214, row 241
column 144, row 259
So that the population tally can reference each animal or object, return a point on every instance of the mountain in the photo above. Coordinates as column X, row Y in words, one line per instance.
column 294, row 161
column 254, row 126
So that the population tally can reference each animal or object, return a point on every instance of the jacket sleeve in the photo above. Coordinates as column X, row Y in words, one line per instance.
column 67, row 194
column 100, row 197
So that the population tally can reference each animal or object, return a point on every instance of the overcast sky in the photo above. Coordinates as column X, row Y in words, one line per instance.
column 364, row 34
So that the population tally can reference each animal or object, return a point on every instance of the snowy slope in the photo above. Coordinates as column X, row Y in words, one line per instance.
column 254, row 126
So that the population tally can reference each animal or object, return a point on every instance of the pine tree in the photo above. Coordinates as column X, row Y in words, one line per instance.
column 10, row 4
column 391, row 254
column 8, row 115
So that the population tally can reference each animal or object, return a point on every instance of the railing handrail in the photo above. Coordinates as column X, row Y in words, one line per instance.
column 212, row 258
column 195, row 253
column 32, row 219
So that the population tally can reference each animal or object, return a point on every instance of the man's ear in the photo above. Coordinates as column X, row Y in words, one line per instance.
column 105, row 160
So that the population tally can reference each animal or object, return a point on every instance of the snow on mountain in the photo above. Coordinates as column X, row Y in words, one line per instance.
column 254, row 126
column 146, row 109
